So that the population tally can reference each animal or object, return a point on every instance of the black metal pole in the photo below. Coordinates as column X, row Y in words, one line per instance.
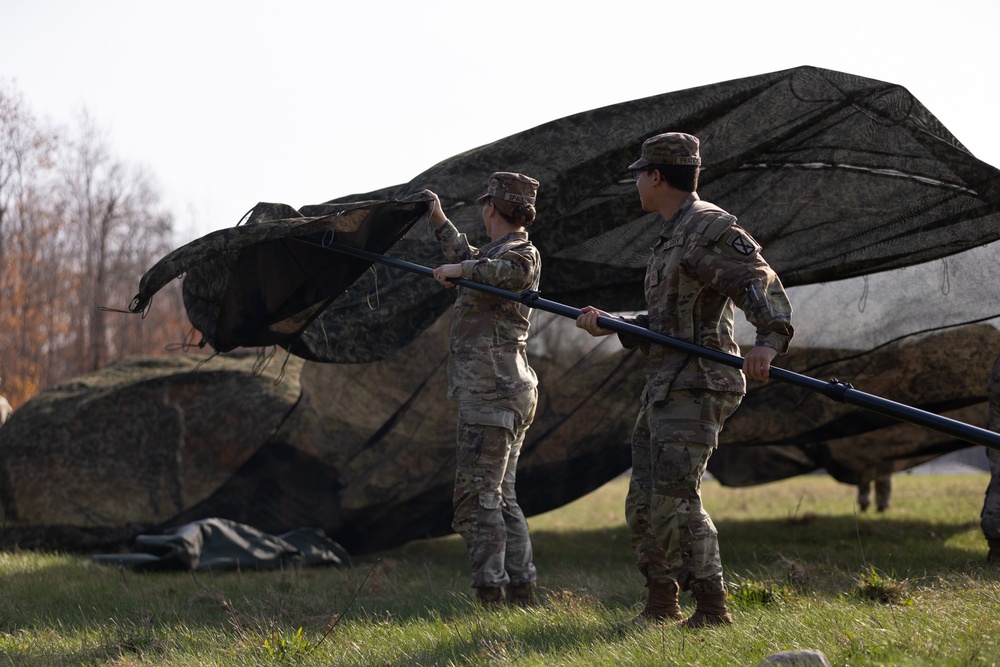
column 838, row 391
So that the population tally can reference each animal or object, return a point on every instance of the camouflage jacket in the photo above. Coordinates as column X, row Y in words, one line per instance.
column 489, row 333
column 702, row 264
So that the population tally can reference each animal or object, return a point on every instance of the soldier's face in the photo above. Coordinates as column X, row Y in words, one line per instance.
column 487, row 217
column 642, row 184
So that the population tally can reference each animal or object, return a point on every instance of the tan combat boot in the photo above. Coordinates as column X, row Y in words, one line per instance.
column 523, row 595
column 661, row 603
column 490, row 596
column 710, row 609
column 994, row 555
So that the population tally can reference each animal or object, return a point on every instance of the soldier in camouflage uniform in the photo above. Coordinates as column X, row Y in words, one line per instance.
column 990, row 517
column 702, row 265
column 496, row 389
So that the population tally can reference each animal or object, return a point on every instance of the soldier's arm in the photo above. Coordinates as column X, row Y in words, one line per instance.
column 455, row 245
column 729, row 260
column 588, row 322
column 512, row 271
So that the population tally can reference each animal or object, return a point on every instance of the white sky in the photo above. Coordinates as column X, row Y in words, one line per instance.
column 231, row 103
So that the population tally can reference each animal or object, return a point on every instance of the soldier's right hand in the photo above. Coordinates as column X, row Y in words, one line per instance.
column 588, row 321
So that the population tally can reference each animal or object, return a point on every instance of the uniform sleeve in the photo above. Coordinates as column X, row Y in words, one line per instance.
column 514, row 270
column 455, row 245
column 629, row 342
column 728, row 259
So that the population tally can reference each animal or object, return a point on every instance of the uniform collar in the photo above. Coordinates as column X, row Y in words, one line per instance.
column 511, row 236
column 686, row 204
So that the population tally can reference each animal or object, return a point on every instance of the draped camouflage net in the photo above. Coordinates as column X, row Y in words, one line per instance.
column 837, row 176
column 881, row 224
column 876, row 218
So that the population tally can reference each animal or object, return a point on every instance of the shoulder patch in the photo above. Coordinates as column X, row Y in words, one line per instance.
column 741, row 243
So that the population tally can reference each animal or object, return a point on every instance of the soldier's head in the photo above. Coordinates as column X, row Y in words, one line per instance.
column 675, row 155
column 513, row 196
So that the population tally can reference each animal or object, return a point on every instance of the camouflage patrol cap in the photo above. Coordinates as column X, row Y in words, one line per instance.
column 510, row 186
column 674, row 148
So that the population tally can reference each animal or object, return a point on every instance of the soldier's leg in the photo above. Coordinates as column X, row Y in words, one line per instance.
column 686, row 429
column 883, row 492
column 484, row 439
column 676, row 509
column 990, row 516
column 864, row 495
column 685, row 433
column 656, row 558
column 518, row 558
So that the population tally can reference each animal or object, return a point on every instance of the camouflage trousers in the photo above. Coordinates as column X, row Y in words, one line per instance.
column 490, row 435
column 990, row 517
column 672, row 535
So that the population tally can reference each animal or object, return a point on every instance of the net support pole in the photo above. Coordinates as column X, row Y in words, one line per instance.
column 834, row 389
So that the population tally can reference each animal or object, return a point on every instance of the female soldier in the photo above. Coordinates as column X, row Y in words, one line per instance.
column 489, row 376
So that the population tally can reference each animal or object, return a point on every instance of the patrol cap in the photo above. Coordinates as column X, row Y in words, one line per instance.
column 669, row 148
column 512, row 187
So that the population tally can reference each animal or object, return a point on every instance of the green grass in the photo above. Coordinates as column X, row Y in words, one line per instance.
column 908, row 587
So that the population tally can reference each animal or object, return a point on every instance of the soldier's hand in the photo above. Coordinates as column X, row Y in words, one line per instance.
column 435, row 212
column 588, row 321
column 446, row 271
column 757, row 363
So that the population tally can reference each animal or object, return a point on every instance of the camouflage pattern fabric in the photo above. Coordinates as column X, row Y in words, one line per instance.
column 264, row 282
column 367, row 451
column 672, row 535
column 836, row 175
column 701, row 264
column 488, row 372
column 669, row 148
column 487, row 514
column 489, row 333
column 990, row 516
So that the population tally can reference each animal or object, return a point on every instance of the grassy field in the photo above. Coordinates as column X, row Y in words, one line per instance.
column 907, row 587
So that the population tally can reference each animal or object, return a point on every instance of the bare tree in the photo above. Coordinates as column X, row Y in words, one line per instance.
column 26, row 151
column 116, row 223
column 78, row 228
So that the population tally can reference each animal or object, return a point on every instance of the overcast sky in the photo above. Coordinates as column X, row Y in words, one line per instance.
column 232, row 103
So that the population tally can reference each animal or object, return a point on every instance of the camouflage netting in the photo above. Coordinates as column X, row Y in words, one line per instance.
column 879, row 221
column 93, row 461
column 263, row 283
column 837, row 176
